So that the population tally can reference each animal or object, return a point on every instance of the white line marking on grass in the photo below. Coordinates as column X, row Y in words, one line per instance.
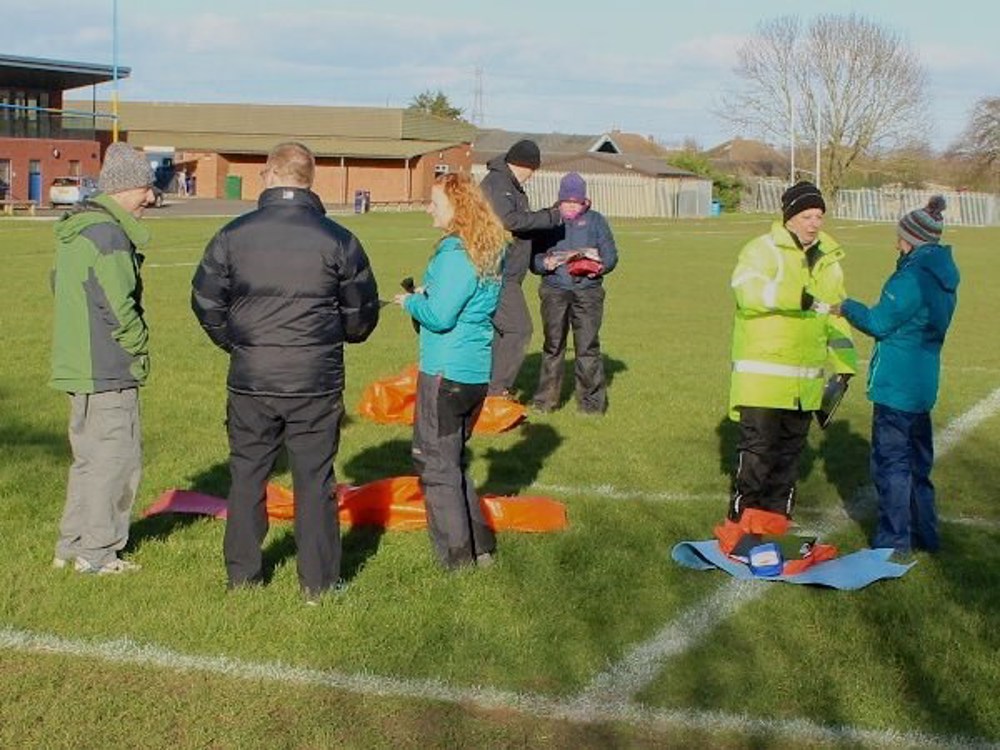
column 179, row 264
column 640, row 667
column 613, row 493
column 965, row 423
column 642, row 663
column 575, row 710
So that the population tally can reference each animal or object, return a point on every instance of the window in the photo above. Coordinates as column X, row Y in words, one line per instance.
column 74, row 167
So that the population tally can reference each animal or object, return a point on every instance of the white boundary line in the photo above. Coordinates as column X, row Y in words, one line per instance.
column 644, row 662
column 126, row 651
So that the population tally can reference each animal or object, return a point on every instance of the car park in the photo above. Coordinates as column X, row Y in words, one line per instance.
column 71, row 189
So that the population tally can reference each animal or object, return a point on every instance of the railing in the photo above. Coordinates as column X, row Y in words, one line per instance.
column 624, row 195
column 882, row 204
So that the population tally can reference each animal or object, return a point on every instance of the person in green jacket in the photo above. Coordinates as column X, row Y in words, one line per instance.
column 786, row 344
column 455, row 306
column 100, row 357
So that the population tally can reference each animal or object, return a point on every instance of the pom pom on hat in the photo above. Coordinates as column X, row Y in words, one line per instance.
column 923, row 226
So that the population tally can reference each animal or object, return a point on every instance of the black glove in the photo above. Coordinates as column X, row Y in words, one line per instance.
column 807, row 300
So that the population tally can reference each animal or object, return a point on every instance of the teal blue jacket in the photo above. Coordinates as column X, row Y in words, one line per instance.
column 908, row 324
column 455, row 312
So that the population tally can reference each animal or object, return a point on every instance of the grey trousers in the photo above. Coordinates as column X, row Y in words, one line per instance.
column 511, row 336
column 445, row 414
column 583, row 311
column 309, row 429
column 105, row 436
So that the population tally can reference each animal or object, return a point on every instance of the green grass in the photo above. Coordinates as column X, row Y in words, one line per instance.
column 914, row 655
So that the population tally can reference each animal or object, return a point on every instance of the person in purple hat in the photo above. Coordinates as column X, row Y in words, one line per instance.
column 582, row 253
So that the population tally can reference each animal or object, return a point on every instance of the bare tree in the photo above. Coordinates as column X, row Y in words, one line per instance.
column 979, row 145
column 844, row 82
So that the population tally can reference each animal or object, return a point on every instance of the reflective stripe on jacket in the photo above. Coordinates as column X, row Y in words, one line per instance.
column 781, row 352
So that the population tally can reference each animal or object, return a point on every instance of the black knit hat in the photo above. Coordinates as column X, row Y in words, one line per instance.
column 524, row 154
column 924, row 225
column 801, row 197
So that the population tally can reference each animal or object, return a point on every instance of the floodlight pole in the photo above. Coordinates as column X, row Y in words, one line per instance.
column 791, row 139
column 819, row 130
column 114, row 70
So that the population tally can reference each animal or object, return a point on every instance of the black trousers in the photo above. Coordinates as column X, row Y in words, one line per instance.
column 767, row 465
column 309, row 429
column 583, row 311
column 445, row 413
column 511, row 336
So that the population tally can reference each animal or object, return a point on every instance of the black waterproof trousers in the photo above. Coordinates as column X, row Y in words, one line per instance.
column 767, row 459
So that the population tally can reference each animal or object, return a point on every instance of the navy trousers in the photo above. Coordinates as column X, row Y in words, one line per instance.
column 902, row 457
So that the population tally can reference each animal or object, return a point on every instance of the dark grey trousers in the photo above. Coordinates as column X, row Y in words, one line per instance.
column 445, row 414
column 511, row 336
column 309, row 428
column 583, row 311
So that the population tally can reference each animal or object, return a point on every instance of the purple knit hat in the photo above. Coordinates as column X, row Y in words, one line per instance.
column 573, row 187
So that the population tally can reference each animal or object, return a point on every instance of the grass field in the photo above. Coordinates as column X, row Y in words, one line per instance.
column 587, row 638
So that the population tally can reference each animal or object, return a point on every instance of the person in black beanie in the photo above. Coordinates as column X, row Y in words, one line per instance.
column 786, row 345
column 503, row 188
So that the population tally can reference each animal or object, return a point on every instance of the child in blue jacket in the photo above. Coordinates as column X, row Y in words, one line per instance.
column 908, row 324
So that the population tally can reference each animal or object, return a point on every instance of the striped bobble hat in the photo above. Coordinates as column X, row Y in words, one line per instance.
column 924, row 225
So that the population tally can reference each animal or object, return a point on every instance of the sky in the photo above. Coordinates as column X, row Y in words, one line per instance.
column 655, row 67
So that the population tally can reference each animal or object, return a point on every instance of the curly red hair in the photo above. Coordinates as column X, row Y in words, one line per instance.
column 474, row 223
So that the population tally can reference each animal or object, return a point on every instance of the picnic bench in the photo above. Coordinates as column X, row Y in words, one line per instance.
column 10, row 206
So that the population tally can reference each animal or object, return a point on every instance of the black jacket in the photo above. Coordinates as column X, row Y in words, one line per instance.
column 281, row 289
column 510, row 203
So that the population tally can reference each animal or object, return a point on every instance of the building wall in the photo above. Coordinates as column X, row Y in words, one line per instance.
column 337, row 179
column 54, row 155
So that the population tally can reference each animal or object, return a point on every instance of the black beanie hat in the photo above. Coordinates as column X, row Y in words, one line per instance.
column 524, row 154
column 801, row 197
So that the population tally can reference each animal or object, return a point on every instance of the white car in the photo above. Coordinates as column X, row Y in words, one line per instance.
column 72, row 189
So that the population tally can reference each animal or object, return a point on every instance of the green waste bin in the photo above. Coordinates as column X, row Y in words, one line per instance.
column 234, row 187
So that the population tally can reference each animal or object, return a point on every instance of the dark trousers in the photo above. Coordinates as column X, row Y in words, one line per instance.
column 902, row 457
column 445, row 414
column 309, row 428
column 583, row 311
column 767, row 466
column 511, row 336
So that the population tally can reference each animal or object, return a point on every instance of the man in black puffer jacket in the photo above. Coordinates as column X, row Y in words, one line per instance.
column 281, row 289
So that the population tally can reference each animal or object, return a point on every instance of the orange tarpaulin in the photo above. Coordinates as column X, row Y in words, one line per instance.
column 394, row 503
column 392, row 400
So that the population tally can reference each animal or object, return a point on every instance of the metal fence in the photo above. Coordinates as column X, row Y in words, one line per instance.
column 626, row 195
column 882, row 204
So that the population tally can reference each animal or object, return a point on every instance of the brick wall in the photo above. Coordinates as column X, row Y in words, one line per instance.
column 54, row 157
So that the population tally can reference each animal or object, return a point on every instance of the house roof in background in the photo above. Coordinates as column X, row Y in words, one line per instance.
column 601, row 163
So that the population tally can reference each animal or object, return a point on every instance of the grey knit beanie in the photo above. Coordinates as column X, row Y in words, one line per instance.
column 124, row 169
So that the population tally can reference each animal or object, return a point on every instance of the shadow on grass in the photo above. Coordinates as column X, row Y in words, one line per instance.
column 17, row 436
column 517, row 467
column 845, row 462
column 389, row 459
column 212, row 481
column 527, row 378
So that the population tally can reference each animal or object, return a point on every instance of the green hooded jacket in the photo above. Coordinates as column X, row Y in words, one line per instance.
column 100, row 340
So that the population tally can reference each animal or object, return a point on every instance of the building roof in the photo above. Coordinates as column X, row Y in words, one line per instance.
column 750, row 156
column 492, row 142
column 372, row 132
column 601, row 163
column 54, row 75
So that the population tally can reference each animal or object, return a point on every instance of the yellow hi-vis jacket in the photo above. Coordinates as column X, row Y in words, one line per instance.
column 781, row 353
